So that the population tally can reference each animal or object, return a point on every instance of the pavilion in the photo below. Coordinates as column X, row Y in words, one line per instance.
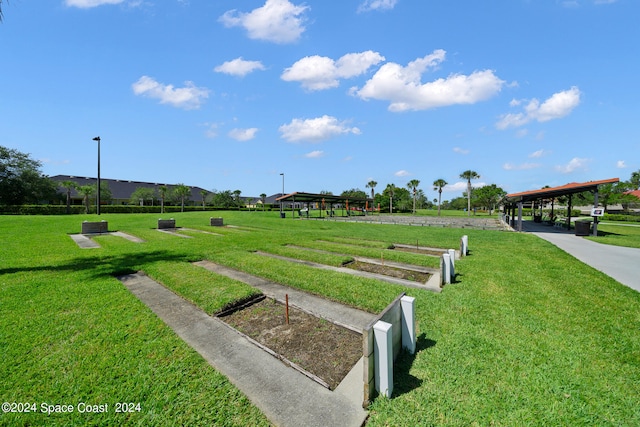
column 327, row 202
column 517, row 200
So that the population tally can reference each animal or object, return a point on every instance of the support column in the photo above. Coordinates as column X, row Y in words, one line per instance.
column 595, row 218
column 520, row 215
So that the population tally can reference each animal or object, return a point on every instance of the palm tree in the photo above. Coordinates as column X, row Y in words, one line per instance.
column 469, row 175
column 69, row 185
column 390, row 189
column 263, row 198
column 437, row 186
column 635, row 179
column 372, row 184
column 182, row 191
column 163, row 195
column 413, row 186
column 203, row 193
column 86, row 191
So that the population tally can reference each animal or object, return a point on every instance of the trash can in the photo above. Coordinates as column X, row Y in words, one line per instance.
column 537, row 218
column 583, row 228
column 282, row 214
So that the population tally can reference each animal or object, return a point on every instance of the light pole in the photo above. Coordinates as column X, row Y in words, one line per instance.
column 97, row 138
column 281, row 202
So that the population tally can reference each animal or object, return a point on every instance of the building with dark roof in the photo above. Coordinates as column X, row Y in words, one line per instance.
column 121, row 190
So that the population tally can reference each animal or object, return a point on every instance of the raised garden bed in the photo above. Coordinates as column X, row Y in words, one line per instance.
column 322, row 350
column 386, row 270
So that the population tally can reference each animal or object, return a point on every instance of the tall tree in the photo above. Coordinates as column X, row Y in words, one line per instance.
column 489, row 196
column 413, row 186
column 438, row 185
column 141, row 194
column 236, row 196
column 21, row 180
column 372, row 185
column 69, row 185
column 182, row 192
column 635, row 180
column 86, row 191
column 163, row 196
column 469, row 175
column 390, row 190
column 263, row 199
column 203, row 193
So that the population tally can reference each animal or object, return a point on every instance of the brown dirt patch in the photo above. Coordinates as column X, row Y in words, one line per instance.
column 389, row 271
column 318, row 346
column 419, row 251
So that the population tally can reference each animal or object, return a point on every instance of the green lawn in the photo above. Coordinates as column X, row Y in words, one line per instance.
column 527, row 335
column 619, row 234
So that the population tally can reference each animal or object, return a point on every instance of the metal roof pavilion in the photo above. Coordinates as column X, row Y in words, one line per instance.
column 511, row 201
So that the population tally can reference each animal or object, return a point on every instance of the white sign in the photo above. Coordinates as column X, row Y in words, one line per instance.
column 597, row 211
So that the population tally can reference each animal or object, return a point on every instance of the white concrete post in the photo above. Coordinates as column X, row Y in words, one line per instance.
column 407, row 304
column 446, row 260
column 383, row 355
column 452, row 256
column 465, row 245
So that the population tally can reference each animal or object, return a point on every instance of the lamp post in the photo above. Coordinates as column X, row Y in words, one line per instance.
column 97, row 138
column 281, row 202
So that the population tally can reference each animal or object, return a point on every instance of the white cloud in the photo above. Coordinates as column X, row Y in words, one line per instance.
column 368, row 5
column 239, row 67
column 523, row 166
column 460, row 150
column 319, row 72
column 402, row 86
column 189, row 97
column 87, row 4
column 621, row 164
column 243, row 134
column 278, row 21
column 461, row 186
column 574, row 164
column 315, row 130
column 538, row 154
column 402, row 173
column 557, row 106
column 314, row 154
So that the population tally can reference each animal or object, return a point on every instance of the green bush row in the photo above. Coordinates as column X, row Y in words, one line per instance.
column 78, row 209
column 621, row 217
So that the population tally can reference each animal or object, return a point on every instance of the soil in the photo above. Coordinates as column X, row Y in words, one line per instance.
column 419, row 251
column 389, row 271
column 318, row 346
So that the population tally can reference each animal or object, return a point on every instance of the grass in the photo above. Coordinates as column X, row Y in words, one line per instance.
column 619, row 234
column 527, row 335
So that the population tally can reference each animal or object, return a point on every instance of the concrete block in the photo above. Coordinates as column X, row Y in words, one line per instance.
column 216, row 222
column 452, row 258
column 166, row 223
column 408, row 323
column 383, row 354
column 446, row 263
column 89, row 227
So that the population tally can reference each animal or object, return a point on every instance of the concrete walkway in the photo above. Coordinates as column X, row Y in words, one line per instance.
column 620, row 263
column 284, row 395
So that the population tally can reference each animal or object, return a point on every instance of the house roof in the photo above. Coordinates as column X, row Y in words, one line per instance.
column 120, row 189
column 634, row 193
column 563, row 190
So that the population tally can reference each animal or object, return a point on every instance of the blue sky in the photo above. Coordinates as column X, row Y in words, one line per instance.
column 228, row 95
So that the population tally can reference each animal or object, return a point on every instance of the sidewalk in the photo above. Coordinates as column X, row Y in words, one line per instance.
column 285, row 396
column 620, row 263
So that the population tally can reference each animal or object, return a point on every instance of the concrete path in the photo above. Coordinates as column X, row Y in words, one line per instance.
column 620, row 263
column 285, row 396
column 85, row 241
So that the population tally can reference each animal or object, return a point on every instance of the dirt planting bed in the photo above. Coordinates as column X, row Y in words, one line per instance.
column 389, row 271
column 424, row 251
column 319, row 347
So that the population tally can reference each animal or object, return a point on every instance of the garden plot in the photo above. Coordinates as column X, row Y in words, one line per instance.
column 384, row 273
column 323, row 351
